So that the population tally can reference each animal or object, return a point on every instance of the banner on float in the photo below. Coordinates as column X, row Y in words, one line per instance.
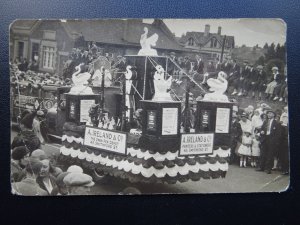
column 196, row 144
column 107, row 140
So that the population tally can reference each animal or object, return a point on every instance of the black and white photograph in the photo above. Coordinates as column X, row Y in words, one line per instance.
column 148, row 106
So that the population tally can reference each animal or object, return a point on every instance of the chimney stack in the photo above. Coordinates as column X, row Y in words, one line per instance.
column 219, row 30
column 207, row 29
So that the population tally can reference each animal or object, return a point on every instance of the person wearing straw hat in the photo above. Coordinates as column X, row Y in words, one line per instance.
column 276, row 80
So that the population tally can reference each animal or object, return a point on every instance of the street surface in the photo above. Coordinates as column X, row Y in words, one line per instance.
column 237, row 180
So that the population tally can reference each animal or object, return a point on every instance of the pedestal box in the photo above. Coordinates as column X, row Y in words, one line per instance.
column 215, row 117
column 77, row 107
column 161, row 125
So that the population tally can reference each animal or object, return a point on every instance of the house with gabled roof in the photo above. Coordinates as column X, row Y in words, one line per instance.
column 207, row 44
column 50, row 41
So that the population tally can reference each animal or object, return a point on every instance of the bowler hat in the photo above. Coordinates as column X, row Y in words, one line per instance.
column 78, row 179
column 275, row 68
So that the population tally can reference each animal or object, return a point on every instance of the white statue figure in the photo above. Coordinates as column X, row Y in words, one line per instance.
column 147, row 43
column 218, row 86
column 161, row 85
column 97, row 77
column 130, row 76
column 80, row 81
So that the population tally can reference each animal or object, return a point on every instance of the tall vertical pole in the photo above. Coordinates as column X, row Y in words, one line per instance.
column 102, row 90
column 187, row 108
column 123, row 121
column 223, row 45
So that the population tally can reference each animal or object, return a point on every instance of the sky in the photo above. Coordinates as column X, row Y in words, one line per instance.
column 245, row 31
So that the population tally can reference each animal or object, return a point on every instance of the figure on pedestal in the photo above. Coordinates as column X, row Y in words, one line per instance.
column 147, row 43
column 130, row 86
column 218, row 86
column 80, row 80
column 161, row 85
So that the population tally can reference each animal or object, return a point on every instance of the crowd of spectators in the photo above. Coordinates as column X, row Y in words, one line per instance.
column 259, row 138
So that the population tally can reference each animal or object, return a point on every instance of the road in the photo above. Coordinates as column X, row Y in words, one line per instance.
column 237, row 180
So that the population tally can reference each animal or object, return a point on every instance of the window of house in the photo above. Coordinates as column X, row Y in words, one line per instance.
column 191, row 42
column 48, row 57
column 20, row 48
column 35, row 51
column 213, row 43
column 49, row 35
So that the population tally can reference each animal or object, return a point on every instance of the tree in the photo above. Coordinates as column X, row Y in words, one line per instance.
column 271, row 53
column 260, row 61
column 277, row 51
column 281, row 53
column 266, row 46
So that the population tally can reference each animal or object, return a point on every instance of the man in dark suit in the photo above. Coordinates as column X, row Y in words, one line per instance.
column 199, row 65
column 226, row 66
column 233, row 77
column 270, row 132
column 243, row 75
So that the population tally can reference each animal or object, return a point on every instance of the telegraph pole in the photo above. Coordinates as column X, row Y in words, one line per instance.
column 223, row 45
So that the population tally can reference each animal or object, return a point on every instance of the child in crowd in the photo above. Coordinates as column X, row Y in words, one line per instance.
column 255, row 150
column 245, row 148
column 256, row 121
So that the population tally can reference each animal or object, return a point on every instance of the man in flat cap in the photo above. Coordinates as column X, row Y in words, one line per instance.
column 78, row 183
column 270, row 132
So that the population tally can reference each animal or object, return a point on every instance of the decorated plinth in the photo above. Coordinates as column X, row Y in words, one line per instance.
column 140, row 164
column 161, row 154
column 77, row 107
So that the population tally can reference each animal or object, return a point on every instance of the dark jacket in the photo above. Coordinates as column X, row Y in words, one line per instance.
column 236, row 131
column 253, row 75
column 198, row 67
column 26, row 138
column 40, row 182
column 234, row 71
column 261, row 77
column 274, row 131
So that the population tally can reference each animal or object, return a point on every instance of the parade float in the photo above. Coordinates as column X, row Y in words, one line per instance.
column 161, row 151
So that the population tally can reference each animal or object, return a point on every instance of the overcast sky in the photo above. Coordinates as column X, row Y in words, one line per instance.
column 245, row 31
